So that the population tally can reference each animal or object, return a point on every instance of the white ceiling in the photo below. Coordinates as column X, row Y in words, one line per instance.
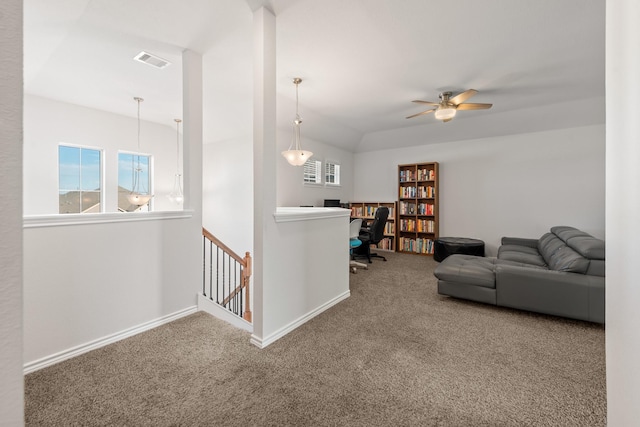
column 540, row 62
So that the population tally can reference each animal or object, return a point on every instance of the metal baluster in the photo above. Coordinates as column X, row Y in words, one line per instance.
column 211, row 271
column 217, row 275
column 235, row 282
column 241, row 290
column 204, row 266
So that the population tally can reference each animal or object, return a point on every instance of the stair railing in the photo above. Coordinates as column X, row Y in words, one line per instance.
column 227, row 276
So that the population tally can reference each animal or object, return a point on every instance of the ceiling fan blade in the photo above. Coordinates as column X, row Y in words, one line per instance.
column 422, row 113
column 472, row 106
column 461, row 97
column 425, row 102
column 447, row 120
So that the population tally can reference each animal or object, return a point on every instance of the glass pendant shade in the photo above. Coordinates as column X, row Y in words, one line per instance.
column 295, row 155
column 176, row 195
column 137, row 197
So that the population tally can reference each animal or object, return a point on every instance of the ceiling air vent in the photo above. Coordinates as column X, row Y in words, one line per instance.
column 152, row 60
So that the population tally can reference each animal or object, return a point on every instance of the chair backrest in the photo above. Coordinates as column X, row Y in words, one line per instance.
column 354, row 228
column 379, row 221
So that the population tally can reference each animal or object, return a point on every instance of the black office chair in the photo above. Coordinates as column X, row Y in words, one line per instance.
column 372, row 235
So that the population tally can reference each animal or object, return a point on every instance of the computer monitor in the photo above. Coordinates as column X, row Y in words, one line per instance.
column 331, row 203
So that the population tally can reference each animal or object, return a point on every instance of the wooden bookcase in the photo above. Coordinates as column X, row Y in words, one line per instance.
column 367, row 211
column 417, row 218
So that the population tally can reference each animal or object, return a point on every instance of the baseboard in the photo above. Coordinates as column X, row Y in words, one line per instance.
column 210, row 307
column 101, row 342
column 263, row 342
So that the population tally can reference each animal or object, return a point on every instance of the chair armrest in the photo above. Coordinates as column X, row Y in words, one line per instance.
column 532, row 243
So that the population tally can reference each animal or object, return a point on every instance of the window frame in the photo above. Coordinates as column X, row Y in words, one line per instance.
column 101, row 179
column 318, row 173
column 335, row 174
column 150, row 204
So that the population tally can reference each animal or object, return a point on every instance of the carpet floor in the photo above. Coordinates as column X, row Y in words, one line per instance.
column 393, row 354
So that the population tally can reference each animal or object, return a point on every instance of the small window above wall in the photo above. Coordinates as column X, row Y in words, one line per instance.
column 331, row 173
column 79, row 180
column 134, row 177
column 312, row 172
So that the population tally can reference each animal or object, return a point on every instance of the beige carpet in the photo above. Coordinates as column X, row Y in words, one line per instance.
column 394, row 354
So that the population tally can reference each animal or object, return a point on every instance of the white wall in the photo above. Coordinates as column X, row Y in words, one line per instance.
column 49, row 123
column 227, row 200
column 518, row 185
column 11, row 384
column 292, row 191
column 86, row 282
column 623, row 210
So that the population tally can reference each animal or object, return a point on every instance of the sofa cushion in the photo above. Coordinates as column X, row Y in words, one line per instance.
column 566, row 259
column 548, row 244
column 587, row 246
column 565, row 232
column 583, row 243
column 523, row 254
column 468, row 269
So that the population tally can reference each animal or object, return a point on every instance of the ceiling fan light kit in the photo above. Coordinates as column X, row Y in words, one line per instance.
column 444, row 113
column 446, row 109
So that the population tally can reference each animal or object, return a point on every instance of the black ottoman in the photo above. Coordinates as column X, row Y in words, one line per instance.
column 445, row 246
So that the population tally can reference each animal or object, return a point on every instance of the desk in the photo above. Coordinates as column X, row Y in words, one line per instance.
column 445, row 246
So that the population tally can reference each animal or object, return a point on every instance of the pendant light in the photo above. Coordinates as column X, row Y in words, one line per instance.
column 295, row 155
column 176, row 195
column 138, row 197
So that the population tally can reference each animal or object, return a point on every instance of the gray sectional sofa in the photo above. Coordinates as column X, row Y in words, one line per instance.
column 561, row 273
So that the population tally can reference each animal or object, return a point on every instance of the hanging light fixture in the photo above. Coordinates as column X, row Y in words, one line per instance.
column 446, row 110
column 138, row 197
column 295, row 155
column 176, row 195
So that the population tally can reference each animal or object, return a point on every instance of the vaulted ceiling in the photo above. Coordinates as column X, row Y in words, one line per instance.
column 539, row 62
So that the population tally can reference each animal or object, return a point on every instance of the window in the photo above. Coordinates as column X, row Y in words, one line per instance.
column 79, row 180
column 312, row 172
column 133, row 172
column 331, row 173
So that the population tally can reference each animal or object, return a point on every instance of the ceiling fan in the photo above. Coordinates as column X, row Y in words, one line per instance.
column 446, row 109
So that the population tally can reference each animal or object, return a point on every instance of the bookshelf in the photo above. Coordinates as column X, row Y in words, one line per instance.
column 367, row 211
column 417, row 219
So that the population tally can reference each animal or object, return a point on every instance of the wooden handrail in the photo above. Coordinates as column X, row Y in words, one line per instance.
column 246, row 273
column 206, row 233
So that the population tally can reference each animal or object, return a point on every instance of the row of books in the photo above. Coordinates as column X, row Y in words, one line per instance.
column 420, row 226
column 390, row 228
column 420, row 246
column 408, row 208
column 427, row 191
column 386, row 243
column 420, row 192
column 368, row 211
column 425, row 209
column 409, row 175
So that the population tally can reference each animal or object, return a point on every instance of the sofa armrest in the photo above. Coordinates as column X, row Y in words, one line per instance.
column 532, row 243
column 559, row 293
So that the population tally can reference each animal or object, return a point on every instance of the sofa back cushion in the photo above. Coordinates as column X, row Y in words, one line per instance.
column 559, row 256
column 581, row 242
column 548, row 244
column 566, row 259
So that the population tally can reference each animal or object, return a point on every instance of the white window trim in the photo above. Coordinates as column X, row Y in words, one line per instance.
column 151, row 176
column 331, row 184
column 103, row 182
column 319, row 173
